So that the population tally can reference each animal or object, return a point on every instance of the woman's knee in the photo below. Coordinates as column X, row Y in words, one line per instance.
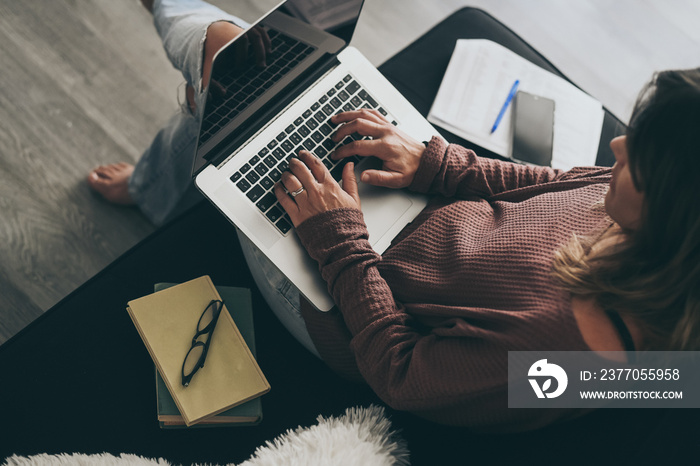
column 219, row 34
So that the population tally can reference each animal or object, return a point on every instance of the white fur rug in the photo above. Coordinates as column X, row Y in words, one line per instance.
column 362, row 437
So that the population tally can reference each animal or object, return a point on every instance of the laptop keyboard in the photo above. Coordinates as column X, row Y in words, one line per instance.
column 311, row 131
column 238, row 89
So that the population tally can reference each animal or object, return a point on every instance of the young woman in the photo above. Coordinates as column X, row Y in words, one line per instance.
column 506, row 257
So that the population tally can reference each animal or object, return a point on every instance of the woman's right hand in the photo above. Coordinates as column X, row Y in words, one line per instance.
column 399, row 152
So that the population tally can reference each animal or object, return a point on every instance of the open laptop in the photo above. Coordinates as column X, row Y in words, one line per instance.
column 256, row 118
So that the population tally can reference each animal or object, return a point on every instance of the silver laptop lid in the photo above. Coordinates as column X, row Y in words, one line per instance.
column 304, row 37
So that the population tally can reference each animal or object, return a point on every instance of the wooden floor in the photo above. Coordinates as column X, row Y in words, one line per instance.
column 85, row 82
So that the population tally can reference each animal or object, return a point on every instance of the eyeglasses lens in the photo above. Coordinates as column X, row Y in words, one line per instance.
column 205, row 324
column 207, row 317
column 192, row 359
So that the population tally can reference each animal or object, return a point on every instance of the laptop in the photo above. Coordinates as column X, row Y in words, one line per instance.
column 256, row 118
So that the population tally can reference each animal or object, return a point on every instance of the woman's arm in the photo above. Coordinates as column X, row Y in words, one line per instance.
column 439, row 168
column 455, row 172
column 453, row 374
column 409, row 371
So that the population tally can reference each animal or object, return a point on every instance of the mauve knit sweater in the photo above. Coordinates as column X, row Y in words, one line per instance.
column 429, row 323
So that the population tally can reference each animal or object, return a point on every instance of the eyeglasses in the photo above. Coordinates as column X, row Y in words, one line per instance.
column 194, row 359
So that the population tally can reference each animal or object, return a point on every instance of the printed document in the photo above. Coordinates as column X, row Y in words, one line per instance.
column 476, row 84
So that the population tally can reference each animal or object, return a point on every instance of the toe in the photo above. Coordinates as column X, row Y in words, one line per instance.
column 112, row 182
column 94, row 176
column 99, row 172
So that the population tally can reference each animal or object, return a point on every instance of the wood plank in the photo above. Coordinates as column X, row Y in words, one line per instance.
column 70, row 105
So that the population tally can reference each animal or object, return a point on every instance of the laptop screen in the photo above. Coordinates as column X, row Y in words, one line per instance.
column 253, row 72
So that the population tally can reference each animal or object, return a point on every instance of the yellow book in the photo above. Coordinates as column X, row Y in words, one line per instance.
column 167, row 321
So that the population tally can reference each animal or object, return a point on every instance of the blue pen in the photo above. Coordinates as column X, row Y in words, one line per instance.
column 511, row 94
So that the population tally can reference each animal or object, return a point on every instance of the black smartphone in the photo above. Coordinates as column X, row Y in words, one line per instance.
column 533, row 129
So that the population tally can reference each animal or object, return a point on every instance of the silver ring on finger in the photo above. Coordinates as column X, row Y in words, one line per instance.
column 297, row 192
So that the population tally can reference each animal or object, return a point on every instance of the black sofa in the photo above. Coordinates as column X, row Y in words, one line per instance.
column 79, row 379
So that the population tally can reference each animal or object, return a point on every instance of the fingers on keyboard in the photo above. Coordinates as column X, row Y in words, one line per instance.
column 311, row 131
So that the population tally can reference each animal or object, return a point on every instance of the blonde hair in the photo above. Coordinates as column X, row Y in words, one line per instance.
column 614, row 277
column 652, row 274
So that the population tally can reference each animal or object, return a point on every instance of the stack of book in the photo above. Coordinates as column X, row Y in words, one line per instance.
column 227, row 390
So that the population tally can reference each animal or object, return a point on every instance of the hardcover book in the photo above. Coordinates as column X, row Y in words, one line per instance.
column 167, row 322
column 239, row 304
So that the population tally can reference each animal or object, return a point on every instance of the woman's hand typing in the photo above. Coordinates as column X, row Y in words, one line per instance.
column 308, row 188
column 399, row 152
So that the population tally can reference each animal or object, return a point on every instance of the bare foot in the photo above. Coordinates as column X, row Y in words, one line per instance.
column 112, row 182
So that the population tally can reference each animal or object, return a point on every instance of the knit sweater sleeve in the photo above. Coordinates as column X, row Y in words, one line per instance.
column 455, row 172
column 382, row 341
column 408, row 369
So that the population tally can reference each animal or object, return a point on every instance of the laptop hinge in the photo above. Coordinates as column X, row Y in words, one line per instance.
column 270, row 110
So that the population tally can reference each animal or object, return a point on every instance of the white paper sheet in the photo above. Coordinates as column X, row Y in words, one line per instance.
column 474, row 88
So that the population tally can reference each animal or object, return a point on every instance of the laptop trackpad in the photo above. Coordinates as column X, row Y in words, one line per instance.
column 381, row 207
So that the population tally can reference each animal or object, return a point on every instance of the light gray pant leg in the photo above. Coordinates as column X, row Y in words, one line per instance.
column 161, row 184
column 279, row 293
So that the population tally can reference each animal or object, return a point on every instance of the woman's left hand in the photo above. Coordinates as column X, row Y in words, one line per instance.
column 320, row 191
